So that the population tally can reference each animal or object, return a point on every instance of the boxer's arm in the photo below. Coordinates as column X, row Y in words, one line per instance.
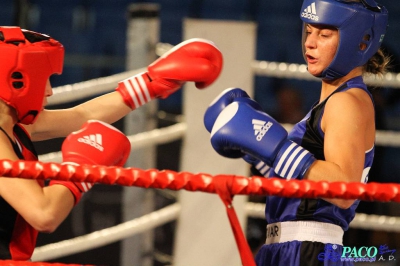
column 43, row 208
column 347, row 138
column 195, row 60
column 57, row 123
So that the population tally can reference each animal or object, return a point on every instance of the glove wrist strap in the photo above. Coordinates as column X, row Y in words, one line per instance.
column 76, row 192
column 136, row 90
column 292, row 161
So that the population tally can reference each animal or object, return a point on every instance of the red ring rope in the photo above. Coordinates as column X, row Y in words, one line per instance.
column 234, row 185
column 28, row 263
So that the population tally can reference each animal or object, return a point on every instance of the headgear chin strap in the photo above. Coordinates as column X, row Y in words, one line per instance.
column 361, row 25
column 27, row 59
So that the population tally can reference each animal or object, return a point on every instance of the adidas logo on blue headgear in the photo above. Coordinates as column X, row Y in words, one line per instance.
column 361, row 25
column 310, row 13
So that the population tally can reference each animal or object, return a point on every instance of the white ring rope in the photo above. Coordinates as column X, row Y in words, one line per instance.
column 178, row 131
column 108, row 235
column 360, row 221
column 171, row 213
column 140, row 140
column 89, row 88
column 385, row 138
column 68, row 93
column 299, row 71
column 62, row 94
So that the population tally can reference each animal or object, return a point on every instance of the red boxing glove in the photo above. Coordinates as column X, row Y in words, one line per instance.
column 97, row 143
column 196, row 60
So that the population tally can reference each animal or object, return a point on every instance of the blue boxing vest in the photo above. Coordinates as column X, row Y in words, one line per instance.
column 309, row 135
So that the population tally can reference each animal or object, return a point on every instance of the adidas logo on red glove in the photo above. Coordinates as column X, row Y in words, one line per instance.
column 96, row 143
column 94, row 140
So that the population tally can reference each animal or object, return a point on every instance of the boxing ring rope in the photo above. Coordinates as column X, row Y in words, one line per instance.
column 167, row 179
column 138, row 141
column 171, row 213
column 89, row 88
column 299, row 71
column 178, row 130
column 360, row 221
column 109, row 235
column 93, row 87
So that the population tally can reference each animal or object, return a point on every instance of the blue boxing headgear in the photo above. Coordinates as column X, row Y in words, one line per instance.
column 361, row 25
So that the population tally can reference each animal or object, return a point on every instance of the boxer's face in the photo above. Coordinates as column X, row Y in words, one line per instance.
column 321, row 44
column 47, row 93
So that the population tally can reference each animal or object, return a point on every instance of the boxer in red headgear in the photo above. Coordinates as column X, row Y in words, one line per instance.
column 28, row 60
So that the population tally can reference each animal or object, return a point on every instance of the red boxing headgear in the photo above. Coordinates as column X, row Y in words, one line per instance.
column 28, row 60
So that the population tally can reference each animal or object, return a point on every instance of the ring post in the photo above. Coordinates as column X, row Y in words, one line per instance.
column 142, row 37
column 204, row 235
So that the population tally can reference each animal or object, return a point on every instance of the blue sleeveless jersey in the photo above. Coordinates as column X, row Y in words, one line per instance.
column 309, row 135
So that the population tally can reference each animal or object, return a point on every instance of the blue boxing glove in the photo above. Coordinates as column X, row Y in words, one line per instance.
column 241, row 129
column 225, row 98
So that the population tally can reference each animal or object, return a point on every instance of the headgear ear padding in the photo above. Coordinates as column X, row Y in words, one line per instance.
column 361, row 25
column 28, row 60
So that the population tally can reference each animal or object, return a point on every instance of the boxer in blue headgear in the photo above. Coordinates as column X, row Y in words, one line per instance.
column 333, row 142
column 361, row 27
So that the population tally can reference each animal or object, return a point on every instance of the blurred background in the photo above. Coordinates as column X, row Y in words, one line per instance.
column 94, row 33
